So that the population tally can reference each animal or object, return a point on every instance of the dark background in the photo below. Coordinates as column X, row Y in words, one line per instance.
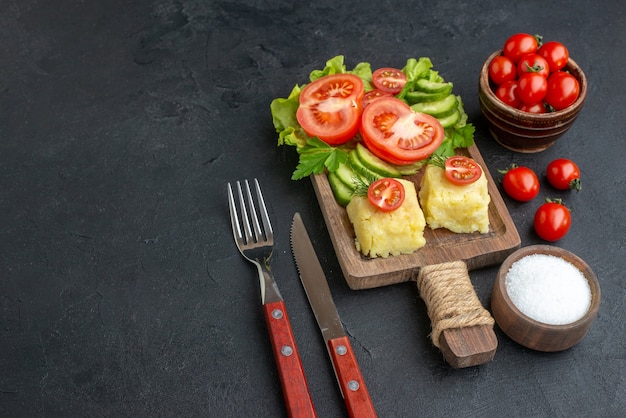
column 121, row 290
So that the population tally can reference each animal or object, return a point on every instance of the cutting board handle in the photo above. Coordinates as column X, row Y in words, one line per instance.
column 461, row 327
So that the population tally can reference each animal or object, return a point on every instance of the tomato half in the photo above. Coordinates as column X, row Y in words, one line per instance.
column 372, row 95
column 552, row 220
column 563, row 174
column 562, row 90
column 397, row 134
column 389, row 79
column 462, row 170
column 532, row 88
column 555, row 53
column 386, row 194
column 330, row 107
column 502, row 69
column 518, row 45
column 521, row 183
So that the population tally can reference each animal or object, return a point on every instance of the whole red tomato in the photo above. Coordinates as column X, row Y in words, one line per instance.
column 507, row 93
column 533, row 87
column 555, row 53
column 533, row 63
column 552, row 220
column 518, row 45
column 533, row 108
column 562, row 90
column 521, row 183
column 563, row 174
column 502, row 69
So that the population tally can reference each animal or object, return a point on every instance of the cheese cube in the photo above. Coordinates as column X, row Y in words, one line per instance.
column 461, row 209
column 381, row 234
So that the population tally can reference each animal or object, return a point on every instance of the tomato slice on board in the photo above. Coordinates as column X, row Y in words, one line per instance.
column 462, row 170
column 386, row 194
column 389, row 79
column 330, row 107
column 395, row 133
column 372, row 95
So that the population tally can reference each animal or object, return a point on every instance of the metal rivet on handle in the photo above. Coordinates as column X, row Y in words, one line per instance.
column 341, row 350
column 287, row 351
column 277, row 314
column 353, row 385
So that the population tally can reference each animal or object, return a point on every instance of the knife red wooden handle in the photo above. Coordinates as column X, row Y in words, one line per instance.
column 353, row 387
column 292, row 379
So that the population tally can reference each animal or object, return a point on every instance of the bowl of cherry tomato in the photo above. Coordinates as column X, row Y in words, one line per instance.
column 530, row 93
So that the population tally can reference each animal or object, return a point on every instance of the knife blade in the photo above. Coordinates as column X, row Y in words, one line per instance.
column 347, row 371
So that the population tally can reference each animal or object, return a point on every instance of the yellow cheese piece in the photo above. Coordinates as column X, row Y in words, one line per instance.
column 461, row 209
column 381, row 234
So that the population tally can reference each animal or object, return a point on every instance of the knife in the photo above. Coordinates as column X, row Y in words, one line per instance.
column 342, row 356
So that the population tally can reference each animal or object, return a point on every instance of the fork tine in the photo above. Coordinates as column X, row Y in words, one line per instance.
column 267, row 226
column 234, row 219
column 244, row 215
column 255, row 220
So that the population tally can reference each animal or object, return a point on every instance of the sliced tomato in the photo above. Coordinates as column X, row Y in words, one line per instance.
column 330, row 108
column 397, row 134
column 372, row 95
column 462, row 170
column 386, row 194
column 389, row 79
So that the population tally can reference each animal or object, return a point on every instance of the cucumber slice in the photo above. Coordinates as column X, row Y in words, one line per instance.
column 410, row 169
column 428, row 86
column 375, row 164
column 358, row 166
column 451, row 120
column 346, row 175
column 439, row 108
column 416, row 96
column 342, row 193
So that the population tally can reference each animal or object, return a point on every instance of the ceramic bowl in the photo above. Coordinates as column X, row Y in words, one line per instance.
column 530, row 332
column 523, row 131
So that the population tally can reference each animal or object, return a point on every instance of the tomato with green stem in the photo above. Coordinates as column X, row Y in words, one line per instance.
column 563, row 174
column 330, row 108
column 521, row 183
column 395, row 133
column 386, row 194
column 552, row 220
column 533, row 63
column 520, row 44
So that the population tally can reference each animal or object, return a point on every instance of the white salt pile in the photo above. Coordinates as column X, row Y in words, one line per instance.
column 548, row 289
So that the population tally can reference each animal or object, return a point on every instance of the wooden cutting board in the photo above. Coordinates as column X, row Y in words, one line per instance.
column 476, row 250
column 466, row 337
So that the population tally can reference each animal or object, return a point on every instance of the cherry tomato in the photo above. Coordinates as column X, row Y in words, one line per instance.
column 502, row 69
column 386, row 194
column 532, row 88
column 533, row 63
column 552, row 220
column 563, row 174
column 555, row 53
column 562, row 90
column 330, row 107
column 395, row 133
column 519, row 45
column 462, row 170
column 507, row 93
column 389, row 79
column 521, row 183
column 372, row 95
column 533, row 108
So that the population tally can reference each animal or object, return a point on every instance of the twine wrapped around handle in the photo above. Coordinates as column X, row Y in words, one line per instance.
column 450, row 298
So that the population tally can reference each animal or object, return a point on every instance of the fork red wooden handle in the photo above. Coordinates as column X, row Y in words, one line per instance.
column 355, row 394
column 292, row 379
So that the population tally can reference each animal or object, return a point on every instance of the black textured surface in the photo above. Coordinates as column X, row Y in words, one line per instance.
column 121, row 291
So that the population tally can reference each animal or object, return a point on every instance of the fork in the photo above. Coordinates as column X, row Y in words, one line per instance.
column 256, row 244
